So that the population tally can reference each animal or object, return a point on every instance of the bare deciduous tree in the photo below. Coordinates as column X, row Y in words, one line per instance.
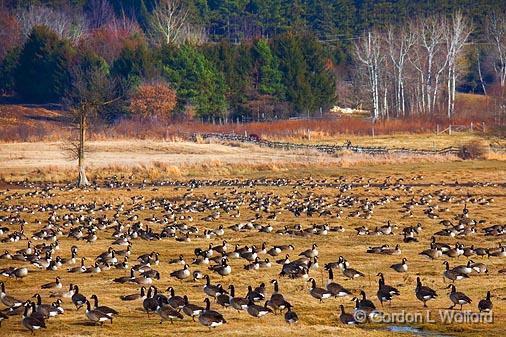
column 99, row 13
column 169, row 20
column 496, row 31
column 399, row 43
column 457, row 33
column 91, row 90
column 61, row 23
column 368, row 52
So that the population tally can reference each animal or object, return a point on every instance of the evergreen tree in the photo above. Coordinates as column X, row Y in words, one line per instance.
column 269, row 76
column 42, row 74
column 196, row 80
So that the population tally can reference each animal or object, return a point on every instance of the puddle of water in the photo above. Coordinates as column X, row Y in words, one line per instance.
column 413, row 331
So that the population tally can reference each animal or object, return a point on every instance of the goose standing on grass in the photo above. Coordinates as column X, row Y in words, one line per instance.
column 346, row 318
column 351, row 273
column 277, row 301
column 334, row 288
column 211, row 289
column 290, row 316
column 96, row 316
column 78, row 299
column 457, row 297
column 211, row 318
column 424, row 293
column 256, row 310
column 385, row 292
column 190, row 309
column 318, row 293
column 238, row 303
column 150, row 303
column 485, row 305
column 104, row 309
column 167, row 312
column 3, row 317
column 43, row 309
column 31, row 323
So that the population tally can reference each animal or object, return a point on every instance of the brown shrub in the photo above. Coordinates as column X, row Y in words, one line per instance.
column 475, row 149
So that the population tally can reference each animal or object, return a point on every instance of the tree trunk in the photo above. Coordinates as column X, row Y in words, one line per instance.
column 82, row 180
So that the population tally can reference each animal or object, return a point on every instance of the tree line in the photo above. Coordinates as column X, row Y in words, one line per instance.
column 254, row 59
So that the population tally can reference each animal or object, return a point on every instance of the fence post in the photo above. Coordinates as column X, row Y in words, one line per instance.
column 471, row 126
column 483, row 126
column 373, row 131
column 437, row 129
column 450, row 129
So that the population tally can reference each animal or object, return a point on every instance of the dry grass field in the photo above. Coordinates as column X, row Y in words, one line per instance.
column 463, row 180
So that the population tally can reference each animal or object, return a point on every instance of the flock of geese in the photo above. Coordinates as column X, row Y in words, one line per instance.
column 177, row 219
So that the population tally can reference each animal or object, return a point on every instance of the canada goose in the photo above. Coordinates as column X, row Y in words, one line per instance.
column 80, row 269
column 197, row 275
column 400, row 267
column 351, row 273
column 290, row 316
column 105, row 310
column 238, row 303
column 125, row 279
column 464, row 269
column 57, row 284
column 136, row 296
column 222, row 269
column 3, row 317
column 7, row 300
column 210, row 318
column 255, row 295
column 385, row 292
column 310, row 252
column 212, row 290
column 432, row 253
column 334, row 288
column 35, row 314
column 167, row 312
column 191, row 310
column 457, row 297
column 181, row 274
column 318, row 293
column 346, row 318
column 19, row 272
column 78, row 299
column 485, row 305
column 41, row 308
column 480, row 268
column 452, row 274
column 31, row 323
column 277, row 301
column 177, row 302
column 96, row 316
column 256, row 310
column 150, row 303
column 364, row 303
column 179, row 260
column 63, row 294
column 424, row 293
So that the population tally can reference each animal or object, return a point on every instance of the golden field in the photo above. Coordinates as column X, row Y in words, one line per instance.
column 308, row 179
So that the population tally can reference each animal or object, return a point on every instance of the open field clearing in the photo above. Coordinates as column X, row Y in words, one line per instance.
column 158, row 159
column 462, row 192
